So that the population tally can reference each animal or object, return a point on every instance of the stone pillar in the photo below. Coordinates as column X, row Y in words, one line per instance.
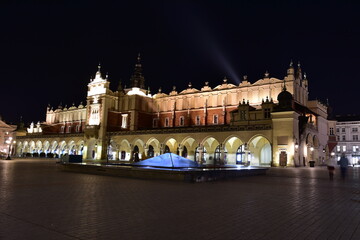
column 180, row 150
column 222, row 155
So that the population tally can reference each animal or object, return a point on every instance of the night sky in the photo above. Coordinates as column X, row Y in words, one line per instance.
column 50, row 49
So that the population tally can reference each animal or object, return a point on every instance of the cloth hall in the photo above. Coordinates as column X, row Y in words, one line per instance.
column 270, row 122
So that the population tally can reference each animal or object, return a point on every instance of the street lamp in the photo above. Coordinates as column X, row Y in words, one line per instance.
column 8, row 141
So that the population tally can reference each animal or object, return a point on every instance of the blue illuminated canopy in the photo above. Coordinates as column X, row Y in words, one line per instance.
column 168, row 160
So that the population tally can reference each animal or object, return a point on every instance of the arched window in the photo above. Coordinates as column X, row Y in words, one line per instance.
column 197, row 120
column 69, row 129
column 240, row 155
column 181, row 122
column 62, row 129
column 151, row 151
column 166, row 122
column 77, row 128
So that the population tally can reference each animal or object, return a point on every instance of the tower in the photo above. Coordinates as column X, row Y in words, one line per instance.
column 98, row 103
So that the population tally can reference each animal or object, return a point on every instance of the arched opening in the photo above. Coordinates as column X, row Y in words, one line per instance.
column 259, row 152
column 240, row 155
column 190, row 145
column 210, row 146
column 136, row 154
column 151, row 151
column 184, row 152
column 200, row 154
column 167, row 149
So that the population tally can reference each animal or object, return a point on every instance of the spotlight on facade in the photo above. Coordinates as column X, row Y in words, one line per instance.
column 312, row 149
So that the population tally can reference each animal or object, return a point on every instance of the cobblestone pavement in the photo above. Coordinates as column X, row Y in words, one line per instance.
column 37, row 201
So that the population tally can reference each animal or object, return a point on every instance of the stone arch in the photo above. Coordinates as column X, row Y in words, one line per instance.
column 112, row 151
column 172, row 144
column 125, row 150
column 72, row 147
column 152, row 145
column 189, row 144
column 209, row 144
column 137, row 150
column 39, row 147
column 259, row 151
column 32, row 146
column 54, row 147
column 232, row 144
column 46, row 146
column 80, row 147
column 63, row 148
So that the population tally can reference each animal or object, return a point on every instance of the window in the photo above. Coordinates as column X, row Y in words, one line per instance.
column 181, row 121
column 62, row 129
column 338, row 148
column 166, row 122
column 215, row 119
column 124, row 120
column 155, row 122
column 69, row 129
column 267, row 113
column 337, row 138
column 343, row 130
column 337, row 129
column 77, row 128
column 344, row 148
column 331, row 131
column 355, row 148
column 354, row 129
column 197, row 120
column 343, row 138
column 355, row 137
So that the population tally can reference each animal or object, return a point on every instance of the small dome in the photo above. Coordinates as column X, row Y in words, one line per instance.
column 285, row 100
column 284, row 96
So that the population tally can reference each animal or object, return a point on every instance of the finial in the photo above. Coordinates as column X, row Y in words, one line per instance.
column 190, row 85
column 99, row 67
column 284, row 87
column 299, row 64
column 107, row 75
column 225, row 80
column 160, row 90
column 291, row 63
column 267, row 99
column 174, row 88
column 243, row 101
column 73, row 104
column 266, row 74
column 304, row 75
column 245, row 78
column 206, row 83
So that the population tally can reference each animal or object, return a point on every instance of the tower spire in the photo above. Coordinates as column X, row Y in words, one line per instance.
column 137, row 79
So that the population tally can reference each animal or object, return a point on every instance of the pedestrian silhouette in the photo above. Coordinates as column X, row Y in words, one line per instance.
column 344, row 163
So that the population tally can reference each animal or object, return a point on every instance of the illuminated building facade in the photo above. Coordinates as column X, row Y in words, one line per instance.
column 348, row 138
column 7, row 139
column 270, row 122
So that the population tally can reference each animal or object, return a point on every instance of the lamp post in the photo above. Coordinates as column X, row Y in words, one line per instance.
column 8, row 141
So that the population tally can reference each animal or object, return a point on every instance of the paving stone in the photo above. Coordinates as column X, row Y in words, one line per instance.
column 38, row 201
